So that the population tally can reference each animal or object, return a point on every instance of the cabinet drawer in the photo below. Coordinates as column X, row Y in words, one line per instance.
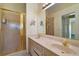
column 39, row 48
column 49, row 53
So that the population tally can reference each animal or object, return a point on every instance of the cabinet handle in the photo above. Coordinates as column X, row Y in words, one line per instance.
column 35, row 52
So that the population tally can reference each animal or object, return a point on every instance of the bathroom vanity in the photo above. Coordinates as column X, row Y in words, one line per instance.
column 38, row 50
column 47, row 45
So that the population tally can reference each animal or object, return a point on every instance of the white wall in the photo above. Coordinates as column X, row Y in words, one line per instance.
column 41, row 17
column 58, row 18
column 31, row 16
column 34, row 13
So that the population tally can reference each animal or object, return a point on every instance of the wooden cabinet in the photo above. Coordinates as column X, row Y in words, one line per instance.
column 36, row 49
column 48, row 53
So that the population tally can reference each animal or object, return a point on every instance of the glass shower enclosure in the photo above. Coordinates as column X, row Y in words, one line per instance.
column 12, row 31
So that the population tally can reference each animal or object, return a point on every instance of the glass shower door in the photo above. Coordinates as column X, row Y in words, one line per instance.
column 11, row 31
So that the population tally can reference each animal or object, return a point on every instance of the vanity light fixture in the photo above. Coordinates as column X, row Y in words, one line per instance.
column 47, row 5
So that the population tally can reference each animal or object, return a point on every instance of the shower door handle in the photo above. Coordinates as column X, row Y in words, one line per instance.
column 4, row 21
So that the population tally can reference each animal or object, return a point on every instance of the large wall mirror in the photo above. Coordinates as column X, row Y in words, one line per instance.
column 65, row 20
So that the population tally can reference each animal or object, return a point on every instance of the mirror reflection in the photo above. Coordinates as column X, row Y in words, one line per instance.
column 68, row 26
column 62, row 20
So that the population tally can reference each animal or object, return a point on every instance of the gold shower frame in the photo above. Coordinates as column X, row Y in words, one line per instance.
column 22, row 30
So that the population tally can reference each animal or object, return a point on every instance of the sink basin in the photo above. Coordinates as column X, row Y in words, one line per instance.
column 63, row 49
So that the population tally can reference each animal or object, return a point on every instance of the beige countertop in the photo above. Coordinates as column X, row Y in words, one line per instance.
column 54, row 44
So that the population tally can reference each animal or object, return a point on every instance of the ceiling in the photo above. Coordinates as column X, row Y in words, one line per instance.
column 58, row 6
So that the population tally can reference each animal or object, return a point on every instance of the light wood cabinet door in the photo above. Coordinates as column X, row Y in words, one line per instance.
column 35, row 49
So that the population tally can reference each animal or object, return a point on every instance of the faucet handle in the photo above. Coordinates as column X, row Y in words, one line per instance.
column 65, row 43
